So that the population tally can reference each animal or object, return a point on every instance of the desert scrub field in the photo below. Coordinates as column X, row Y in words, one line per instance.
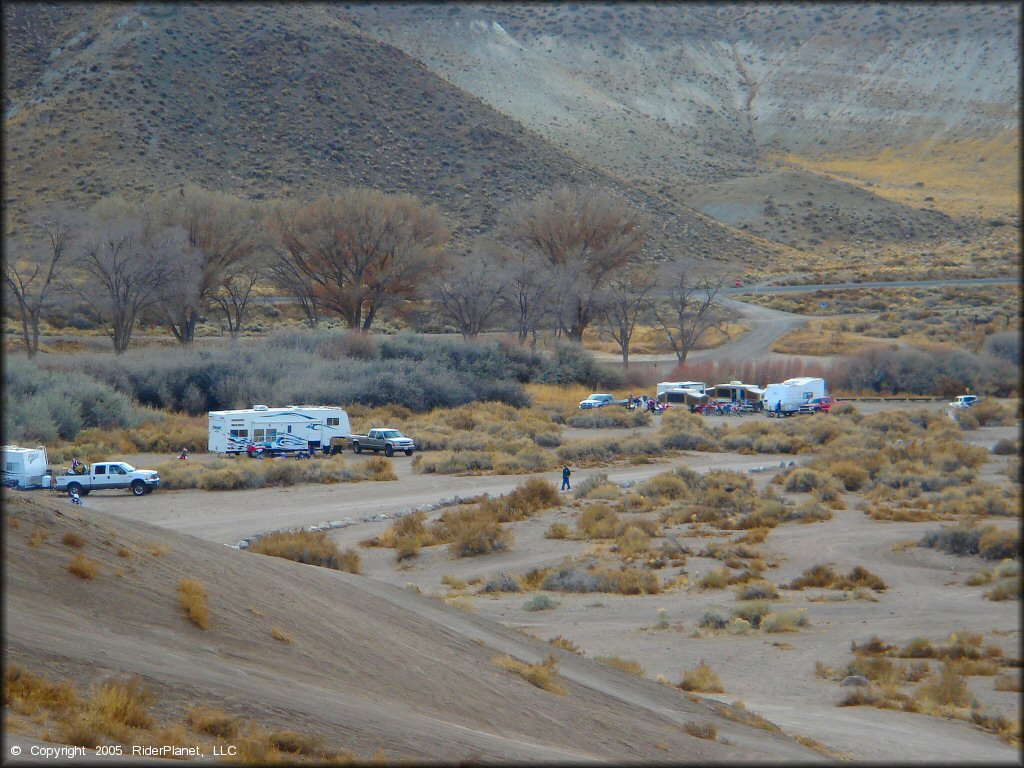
column 122, row 711
column 216, row 474
column 927, row 678
column 471, row 528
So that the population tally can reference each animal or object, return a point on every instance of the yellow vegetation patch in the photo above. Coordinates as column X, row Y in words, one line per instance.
column 192, row 598
column 543, row 675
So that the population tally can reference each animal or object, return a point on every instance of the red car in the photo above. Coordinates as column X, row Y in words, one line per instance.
column 818, row 405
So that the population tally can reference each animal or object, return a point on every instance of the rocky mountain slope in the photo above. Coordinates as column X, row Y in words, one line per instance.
column 370, row 667
column 689, row 91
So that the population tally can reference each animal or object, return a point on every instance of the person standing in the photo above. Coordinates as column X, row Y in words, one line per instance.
column 565, row 478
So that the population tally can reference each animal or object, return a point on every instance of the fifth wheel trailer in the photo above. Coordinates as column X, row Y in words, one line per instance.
column 277, row 430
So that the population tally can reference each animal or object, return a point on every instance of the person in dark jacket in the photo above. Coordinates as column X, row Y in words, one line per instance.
column 565, row 478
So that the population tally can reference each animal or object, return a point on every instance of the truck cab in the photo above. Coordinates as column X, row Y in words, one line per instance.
column 964, row 401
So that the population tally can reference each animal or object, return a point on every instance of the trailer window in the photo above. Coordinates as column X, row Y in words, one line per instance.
column 12, row 466
column 333, row 422
column 239, row 433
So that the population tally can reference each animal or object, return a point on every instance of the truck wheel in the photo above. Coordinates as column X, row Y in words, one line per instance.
column 357, row 447
column 138, row 487
column 74, row 488
column 408, row 451
column 389, row 450
column 149, row 489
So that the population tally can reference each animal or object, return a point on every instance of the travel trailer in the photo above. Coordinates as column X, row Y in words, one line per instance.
column 738, row 392
column 688, row 393
column 786, row 398
column 26, row 467
column 277, row 430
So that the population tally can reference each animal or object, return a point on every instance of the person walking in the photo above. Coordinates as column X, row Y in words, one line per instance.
column 565, row 478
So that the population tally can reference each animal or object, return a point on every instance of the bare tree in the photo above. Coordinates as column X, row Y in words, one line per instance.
column 585, row 236
column 471, row 292
column 362, row 250
column 689, row 308
column 286, row 276
column 223, row 231
column 33, row 274
column 530, row 292
column 234, row 294
column 627, row 303
column 125, row 260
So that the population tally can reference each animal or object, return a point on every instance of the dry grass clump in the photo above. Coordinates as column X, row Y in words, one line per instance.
column 566, row 645
column 192, row 598
column 1008, row 590
column 702, row 730
column 279, row 634
column 557, row 531
column 626, row 665
column 757, row 590
column 738, row 713
column 454, row 582
column 701, row 679
column 82, row 567
column 27, row 693
column 784, row 621
column 473, row 533
column 1008, row 682
column 121, row 703
column 309, row 547
column 214, row 722
column 825, row 577
column 596, row 486
column 543, row 675
column 570, row 576
column 72, row 539
column 502, row 582
column 39, row 535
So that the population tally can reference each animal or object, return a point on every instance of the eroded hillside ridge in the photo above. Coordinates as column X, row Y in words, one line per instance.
column 708, row 88
column 272, row 103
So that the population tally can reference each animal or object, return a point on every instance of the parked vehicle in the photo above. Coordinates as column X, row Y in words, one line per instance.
column 786, row 398
column 277, row 430
column 25, row 467
column 599, row 400
column 384, row 439
column 818, row 405
column 964, row 401
column 106, row 475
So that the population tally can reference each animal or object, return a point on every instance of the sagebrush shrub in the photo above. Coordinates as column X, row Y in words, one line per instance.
column 192, row 598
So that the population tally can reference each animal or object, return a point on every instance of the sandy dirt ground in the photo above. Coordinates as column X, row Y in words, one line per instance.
column 773, row 674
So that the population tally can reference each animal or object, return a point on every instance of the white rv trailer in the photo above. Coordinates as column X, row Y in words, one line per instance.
column 788, row 396
column 277, row 430
column 25, row 467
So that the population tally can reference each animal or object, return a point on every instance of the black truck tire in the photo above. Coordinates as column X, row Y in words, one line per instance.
column 389, row 450
column 138, row 487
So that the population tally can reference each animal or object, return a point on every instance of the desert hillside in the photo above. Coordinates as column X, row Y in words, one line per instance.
column 366, row 665
column 698, row 92
column 269, row 103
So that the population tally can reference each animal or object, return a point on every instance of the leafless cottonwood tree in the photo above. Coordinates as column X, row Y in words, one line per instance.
column 627, row 303
column 224, row 233
column 584, row 236
column 33, row 270
column 688, row 308
column 235, row 291
column 470, row 292
column 530, row 292
column 286, row 276
column 362, row 250
column 126, row 258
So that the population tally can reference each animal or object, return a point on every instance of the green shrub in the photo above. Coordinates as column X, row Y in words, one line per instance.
column 540, row 603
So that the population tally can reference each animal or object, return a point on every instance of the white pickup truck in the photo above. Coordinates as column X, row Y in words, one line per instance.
column 110, row 474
